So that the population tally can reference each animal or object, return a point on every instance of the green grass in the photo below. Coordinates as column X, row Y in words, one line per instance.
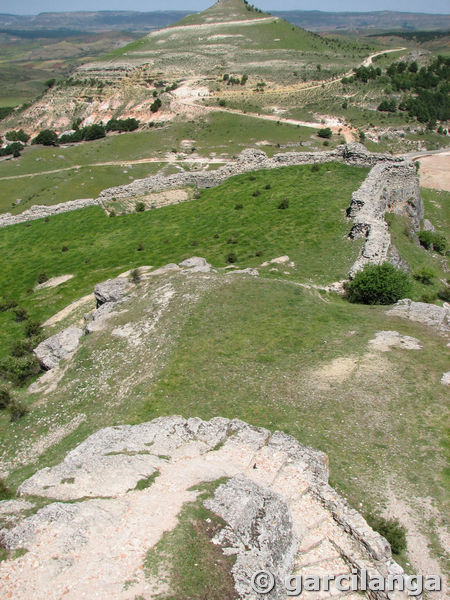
column 99, row 246
column 84, row 182
column 187, row 559
column 437, row 210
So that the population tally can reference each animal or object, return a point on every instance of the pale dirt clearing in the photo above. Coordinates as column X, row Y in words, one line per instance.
column 434, row 171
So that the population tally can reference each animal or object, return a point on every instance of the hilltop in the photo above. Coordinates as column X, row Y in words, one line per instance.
column 230, row 46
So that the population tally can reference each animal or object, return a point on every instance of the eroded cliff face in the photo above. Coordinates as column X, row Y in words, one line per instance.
column 278, row 511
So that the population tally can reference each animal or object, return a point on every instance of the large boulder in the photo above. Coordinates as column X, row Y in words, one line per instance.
column 62, row 345
column 436, row 317
column 111, row 290
column 196, row 264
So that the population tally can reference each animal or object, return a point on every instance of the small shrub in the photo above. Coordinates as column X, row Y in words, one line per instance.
column 20, row 314
column 268, row 187
column 16, row 410
column 32, row 328
column 5, row 492
column 252, row 178
column 5, row 397
column 135, row 276
column 139, row 207
column 7, row 303
column 222, row 102
column 42, row 277
column 231, row 258
column 444, row 294
column 18, row 369
column 256, row 193
column 259, row 253
column 315, row 168
column 391, row 530
column 22, row 347
column 140, row 247
column 284, row 204
column 425, row 276
column 325, row 133
column 64, row 248
column 378, row 284
column 238, row 207
column 439, row 243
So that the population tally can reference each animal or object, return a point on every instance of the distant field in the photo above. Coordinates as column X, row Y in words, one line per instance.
column 220, row 133
column 100, row 246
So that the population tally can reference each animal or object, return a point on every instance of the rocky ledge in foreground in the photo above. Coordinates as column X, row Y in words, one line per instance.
column 278, row 512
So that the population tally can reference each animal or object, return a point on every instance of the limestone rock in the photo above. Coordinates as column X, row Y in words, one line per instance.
column 428, row 226
column 280, row 260
column 196, row 264
column 40, row 212
column 62, row 345
column 436, row 317
column 445, row 379
column 385, row 340
column 111, row 290
column 259, row 531
column 248, row 271
column 278, row 508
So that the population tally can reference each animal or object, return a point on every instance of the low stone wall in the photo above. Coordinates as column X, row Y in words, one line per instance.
column 41, row 212
column 392, row 185
column 389, row 187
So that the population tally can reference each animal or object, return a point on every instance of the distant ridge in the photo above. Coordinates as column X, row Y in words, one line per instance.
column 314, row 20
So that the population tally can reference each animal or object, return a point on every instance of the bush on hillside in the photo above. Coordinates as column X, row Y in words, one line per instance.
column 139, row 207
column 284, row 204
column 18, row 369
column 15, row 148
column 391, row 530
column 47, row 137
column 378, row 284
column 5, row 397
column 122, row 125
column 425, row 276
column 325, row 133
column 444, row 294
column 433, row 240
column 93, row 132
column 17, row 136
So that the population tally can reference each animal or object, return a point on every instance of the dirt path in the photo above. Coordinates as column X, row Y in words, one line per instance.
column 187, row 95
column 121, row 163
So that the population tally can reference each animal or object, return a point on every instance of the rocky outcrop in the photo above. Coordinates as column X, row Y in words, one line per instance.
column 59, row 346
column 111, row 290
column 259, row 531
column 445, row 379
column 389, row 187
column 279, row 511
column 196, row 264
column 431, row 315
column 41, row 212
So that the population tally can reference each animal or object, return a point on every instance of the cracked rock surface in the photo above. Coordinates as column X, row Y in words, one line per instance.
column 279, row 511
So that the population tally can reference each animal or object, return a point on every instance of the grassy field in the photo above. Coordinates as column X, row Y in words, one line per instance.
column 220, row 133
column 100, row 246
column 275, row 355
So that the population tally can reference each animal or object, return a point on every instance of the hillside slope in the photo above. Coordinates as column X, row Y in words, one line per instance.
column 230, row 39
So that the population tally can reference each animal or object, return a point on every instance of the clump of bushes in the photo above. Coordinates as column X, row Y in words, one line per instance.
column 122, row 125
column 15, row 408
column 432, row 240
column 87, row 134
column 139, row 207
column 156, row 105
column 391, row 530
column 231, row 258
column 17, row 136
column 378, row 284
column 325, row 133
column 47, row 137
